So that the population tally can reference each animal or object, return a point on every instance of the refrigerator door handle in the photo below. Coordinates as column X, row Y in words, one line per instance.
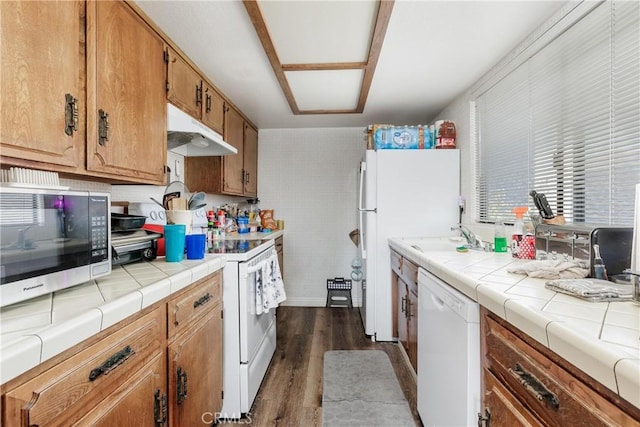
column 363, row 168
column 363, row 250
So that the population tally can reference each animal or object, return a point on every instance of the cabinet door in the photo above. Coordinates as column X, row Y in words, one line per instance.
column 250, row 161
column 212, row 108
column 279, row 243
column 195, row 372
column 184, row 85
column 43, row 60
column 127, row 112
column 402, row 314
column 503, row 407
column 233, row 164
column 412, row 328
column 140, row 401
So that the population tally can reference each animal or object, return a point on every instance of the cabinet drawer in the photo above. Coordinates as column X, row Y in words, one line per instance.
column 545, row 388
column 409, row 272
column 197, row 301
column 396, row 263
column 60, row 395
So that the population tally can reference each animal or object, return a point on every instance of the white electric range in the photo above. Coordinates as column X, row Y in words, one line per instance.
column 249, row 338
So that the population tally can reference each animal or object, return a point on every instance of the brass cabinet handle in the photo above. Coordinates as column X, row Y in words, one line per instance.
column 160, row 409
column 70, row 114
column 181, row 385
column 484, row 421
column 112, row 362
column 534, row 386
column 208, row 103
column 103, row 127
column 202, row 300
column 198, row 95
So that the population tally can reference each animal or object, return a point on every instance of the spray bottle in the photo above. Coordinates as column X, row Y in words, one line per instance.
column 518, row 230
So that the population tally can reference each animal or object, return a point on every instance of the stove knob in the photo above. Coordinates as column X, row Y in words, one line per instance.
column 162, row 216
column 153, row 215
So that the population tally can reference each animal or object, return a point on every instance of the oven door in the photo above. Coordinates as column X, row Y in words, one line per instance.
column 254, row 328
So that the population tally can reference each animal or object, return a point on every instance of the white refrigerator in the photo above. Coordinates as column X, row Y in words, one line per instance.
column 402, row 193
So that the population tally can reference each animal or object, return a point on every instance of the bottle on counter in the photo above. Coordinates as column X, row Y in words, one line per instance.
column 499, row 237
column 518, row 230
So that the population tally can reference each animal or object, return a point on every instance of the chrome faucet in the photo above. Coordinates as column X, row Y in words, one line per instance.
column 473, row 242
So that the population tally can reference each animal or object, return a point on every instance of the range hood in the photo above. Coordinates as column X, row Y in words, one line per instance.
column 190, row 138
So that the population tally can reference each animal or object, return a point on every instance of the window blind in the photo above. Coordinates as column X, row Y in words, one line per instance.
column 566, row 123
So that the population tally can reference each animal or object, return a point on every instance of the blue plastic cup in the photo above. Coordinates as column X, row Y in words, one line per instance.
column 195, row 245
column 174, row 238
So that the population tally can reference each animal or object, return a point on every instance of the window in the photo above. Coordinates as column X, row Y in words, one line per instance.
column 566, row 123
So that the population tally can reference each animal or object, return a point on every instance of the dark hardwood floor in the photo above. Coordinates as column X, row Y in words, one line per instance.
column 291, row 393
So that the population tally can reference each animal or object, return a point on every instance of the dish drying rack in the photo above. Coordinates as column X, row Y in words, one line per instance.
column 30, row 178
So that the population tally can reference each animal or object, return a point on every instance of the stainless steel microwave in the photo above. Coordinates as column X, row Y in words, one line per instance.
column 51, row 240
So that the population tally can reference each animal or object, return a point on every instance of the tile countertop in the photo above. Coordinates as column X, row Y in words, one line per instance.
column 600, row 338
column 35, row 330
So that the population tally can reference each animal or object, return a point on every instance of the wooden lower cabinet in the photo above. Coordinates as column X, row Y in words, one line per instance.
column 127, row 374
column 404, row 281
column 279, row 244
column 526, row 384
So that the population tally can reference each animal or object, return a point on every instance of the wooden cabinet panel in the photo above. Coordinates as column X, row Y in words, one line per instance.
column 43, row 59
column 195, row 372
column 184, row 88
column 279, row 244
column 62, row 394
column 190, row 306
column 402, row 314
column 232, row 166
column 412, row 326
column 250, row 161
column 212, row 108
column 126, row 61
column 404, row 279
column 137, row 402
column 542, row 386
column 505, row 410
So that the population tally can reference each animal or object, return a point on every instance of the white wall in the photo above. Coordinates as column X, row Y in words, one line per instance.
column 308, row 176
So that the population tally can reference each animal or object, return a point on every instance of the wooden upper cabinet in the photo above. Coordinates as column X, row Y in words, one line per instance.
column 212, row 108
column 126, row 111
column 43, row 57
column 233, row 177
column 184, row 85
column 250, row 161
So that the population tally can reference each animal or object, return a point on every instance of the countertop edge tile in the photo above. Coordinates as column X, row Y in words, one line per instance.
column 19, row 357
column 180, row 280
column 66, row 334
column 155, row 292
column 120, row 308
column 492, row 299
column 589, row 355
column 528, row 321
column 626, row 371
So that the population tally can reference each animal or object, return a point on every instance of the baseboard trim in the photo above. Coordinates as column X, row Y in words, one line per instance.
column 310, row 302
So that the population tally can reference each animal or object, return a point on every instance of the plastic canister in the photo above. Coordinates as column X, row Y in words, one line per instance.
column 500, row 238
column 243, row 224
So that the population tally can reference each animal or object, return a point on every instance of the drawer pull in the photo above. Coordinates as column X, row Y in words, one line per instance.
column 182, row 386
column 484, row 421
column 112, row 362
column 160, row 409
column 534, row 386
column 403, row 305
column 202, row 300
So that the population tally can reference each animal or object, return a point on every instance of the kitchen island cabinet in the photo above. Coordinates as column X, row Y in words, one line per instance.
column 127, row 374
column 43, row 93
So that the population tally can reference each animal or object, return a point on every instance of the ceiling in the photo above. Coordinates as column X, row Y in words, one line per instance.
column 431, row 53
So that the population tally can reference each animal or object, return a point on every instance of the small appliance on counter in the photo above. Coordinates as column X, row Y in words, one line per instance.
column 130, row 242
column 576, row 241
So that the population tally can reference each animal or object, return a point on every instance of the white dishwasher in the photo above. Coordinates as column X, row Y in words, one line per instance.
column 448, row 354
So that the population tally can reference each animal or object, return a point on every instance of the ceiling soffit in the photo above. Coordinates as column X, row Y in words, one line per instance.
column 323, row 54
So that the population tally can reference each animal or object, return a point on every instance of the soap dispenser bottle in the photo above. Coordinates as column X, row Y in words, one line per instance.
column 499, row 237
column 518, row 230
